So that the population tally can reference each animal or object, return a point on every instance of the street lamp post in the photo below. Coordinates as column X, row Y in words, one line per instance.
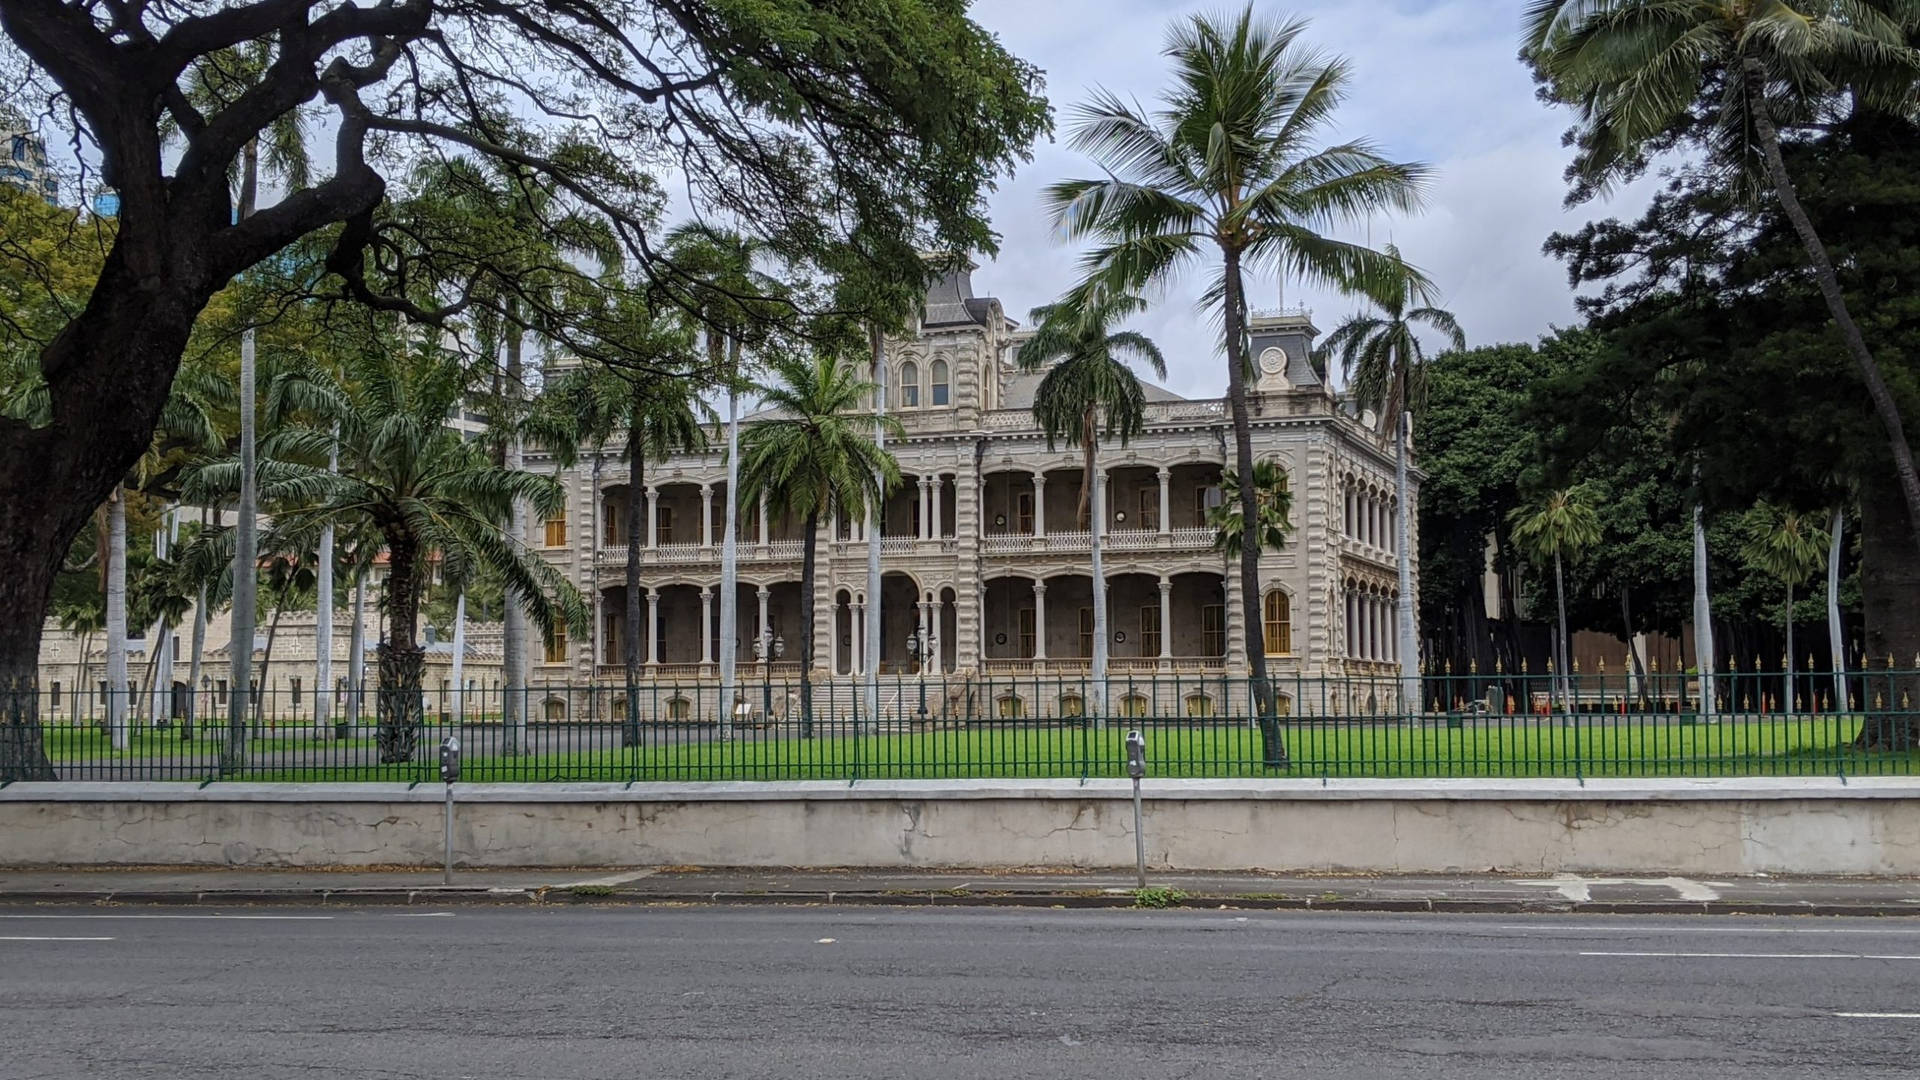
column 761, row 650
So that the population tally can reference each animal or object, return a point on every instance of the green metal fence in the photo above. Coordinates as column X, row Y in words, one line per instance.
column 1019, row 725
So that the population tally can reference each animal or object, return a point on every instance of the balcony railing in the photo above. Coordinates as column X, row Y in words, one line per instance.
column 1118, row 540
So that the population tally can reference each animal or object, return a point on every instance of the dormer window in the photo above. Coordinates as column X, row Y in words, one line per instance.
column 909, row 385
column 940, row 392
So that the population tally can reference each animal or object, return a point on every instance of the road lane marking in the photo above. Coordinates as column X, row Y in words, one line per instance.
column 1758, row 955
column 1578, row 890
column 611, row 880
column 1656, row 931
column 1878, row 1016
column 423, row 914
column 247, row 918
column 55, row 939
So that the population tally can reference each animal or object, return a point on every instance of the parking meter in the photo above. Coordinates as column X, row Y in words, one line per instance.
column 1137, row 768
column 450, row 759
column 1136, row 755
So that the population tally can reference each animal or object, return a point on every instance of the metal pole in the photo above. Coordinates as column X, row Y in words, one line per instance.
column 446, row 876
column 1139, row 837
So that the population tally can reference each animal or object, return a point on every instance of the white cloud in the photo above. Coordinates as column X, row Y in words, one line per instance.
column 1433, row 81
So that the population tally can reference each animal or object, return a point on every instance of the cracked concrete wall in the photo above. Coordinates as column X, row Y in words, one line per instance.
column 1412, row 835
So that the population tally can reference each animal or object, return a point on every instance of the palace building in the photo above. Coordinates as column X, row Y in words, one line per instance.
column 985, row 556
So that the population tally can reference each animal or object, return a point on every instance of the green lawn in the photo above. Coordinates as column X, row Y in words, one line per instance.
column 87, row 742
column 1507, row 747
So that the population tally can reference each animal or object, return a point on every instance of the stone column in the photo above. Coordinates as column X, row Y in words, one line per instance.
column 859, row 612
column 1040, row 505
column 706, row 625
column 922, row 528
column 939, row 484
column 653, row 627
column 765, row 652
column 1166, row 503
column 1166, row 599
column 764, row 531
column 1039, row 618
column 653, row 517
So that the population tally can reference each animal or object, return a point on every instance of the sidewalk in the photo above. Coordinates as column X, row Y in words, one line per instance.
column 1489, row 893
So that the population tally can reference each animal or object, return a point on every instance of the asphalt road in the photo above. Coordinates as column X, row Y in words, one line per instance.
column 1004, row 994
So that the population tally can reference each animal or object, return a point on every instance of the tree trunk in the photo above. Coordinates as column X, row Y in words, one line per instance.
column 323, row 614
column 1889, row 581
column 1566, row 675
column 729, row 652
column 160, row 651
column 513, row 620
column 1096, row 528
column 1836, row 630
column 266, row 654
column 233, row 757
column 1273, row 750
column 1636, row 669
column 357, row 651
column 876, row 518
column 806, row 622
column 402, row 661
column 199, row 646
column 1883, row 404
column 1786, row 666
column 117, row 688
column 459, row 702
column 1408, row 629
column 636, row 522
column 1702, row 616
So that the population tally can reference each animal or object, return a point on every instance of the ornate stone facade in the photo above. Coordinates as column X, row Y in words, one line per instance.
column 984, row 548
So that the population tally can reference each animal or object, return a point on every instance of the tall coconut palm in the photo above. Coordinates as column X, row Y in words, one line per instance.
column 1635, row 70
column 1836, row 630
column 810, row 456
column 430, row 495
column 1230, row 165
column 1788, row 546
column 1385, row 364
column 1703, row 647
column 1559, row 528
column 719, row 267
column 1089, row 393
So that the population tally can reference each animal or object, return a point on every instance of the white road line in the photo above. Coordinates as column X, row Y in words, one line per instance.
column 423, row 915
column 55, row 939
column 1758, row 955
column 611, row 879
column 1578, row 890
column 230, row 918
column 1879, row 1016
column 1656, row 931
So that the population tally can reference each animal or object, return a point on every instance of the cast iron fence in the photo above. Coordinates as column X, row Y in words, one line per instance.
column 1471, row 725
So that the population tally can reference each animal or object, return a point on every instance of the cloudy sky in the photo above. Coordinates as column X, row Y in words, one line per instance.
column 1434, row 81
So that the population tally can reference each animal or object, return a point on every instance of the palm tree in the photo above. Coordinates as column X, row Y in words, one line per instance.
column 1703, row 647
column 430, row 495
column 809, row 457
column 1788, row 546
column 1559, row 527
column 1230, row 164
column 1273, row 502
column 1088, row 380
column 1637, row 69
column 1836, row 630
column 1385, row 364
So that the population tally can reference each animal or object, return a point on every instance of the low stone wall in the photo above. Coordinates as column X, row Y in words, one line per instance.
column 1695, row 827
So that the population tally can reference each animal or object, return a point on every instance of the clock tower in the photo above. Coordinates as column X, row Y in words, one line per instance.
column 1282, row 345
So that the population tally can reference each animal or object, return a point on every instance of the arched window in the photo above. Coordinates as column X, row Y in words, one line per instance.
column 1279, row 620
column 940, row 393
column 1199, row 706
column 1073, row 705
column 909, row 385
column 1133, row 706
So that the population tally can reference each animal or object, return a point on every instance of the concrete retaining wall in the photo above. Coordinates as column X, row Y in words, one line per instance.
column 1866, row 826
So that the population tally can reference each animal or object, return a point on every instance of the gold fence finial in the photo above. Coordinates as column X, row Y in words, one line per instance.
column 1499, row 664
column 1603, row 665
column 1473, row 665
column 1523, row 665
column 1654, row 667
column 1576, row 665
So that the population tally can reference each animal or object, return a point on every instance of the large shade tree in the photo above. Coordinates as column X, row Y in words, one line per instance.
column 1089, row 394
column 795, row 116
column 1233, row 168
column 811, row 456
column 1728, row 77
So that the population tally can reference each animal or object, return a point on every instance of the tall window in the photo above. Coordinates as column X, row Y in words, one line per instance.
column 614, row 533
column 1149, row 508
column 557, row 648
column 665, row 515
column 557, row 529
column 615, row 644
column 1150, row 630
column 56, row 695
column 1023, row 514
column 1026, row 631
column 940, row 392
column 909, row 385
column 1204, row 499
column 1213, row 630
column 1279, row 620
column 1086, row 631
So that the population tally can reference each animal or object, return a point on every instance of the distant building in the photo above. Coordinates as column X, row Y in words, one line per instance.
column 24, row 162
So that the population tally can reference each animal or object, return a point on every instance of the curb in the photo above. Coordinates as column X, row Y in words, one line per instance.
column 549, row 896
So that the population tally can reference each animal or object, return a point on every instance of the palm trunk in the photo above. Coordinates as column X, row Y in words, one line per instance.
column 357, row 650
column 199, row 647
column 1836, row 631
column 807, row 572
column 513, row 621
column 1702, row 616
column 1560, row 596
column 1096, row 521
column 117, row 691
column 323, row 614
column 636, row 521
column 266, row 654
column 729, row 548
column 402, row 661
column 876, row 516
column 1636, row 668
column 459, row 702
column 1883, row 403
column 1407, row 640
column 1273, row 751
column 1786, row 697
column 160, row 653
column 233, row 756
